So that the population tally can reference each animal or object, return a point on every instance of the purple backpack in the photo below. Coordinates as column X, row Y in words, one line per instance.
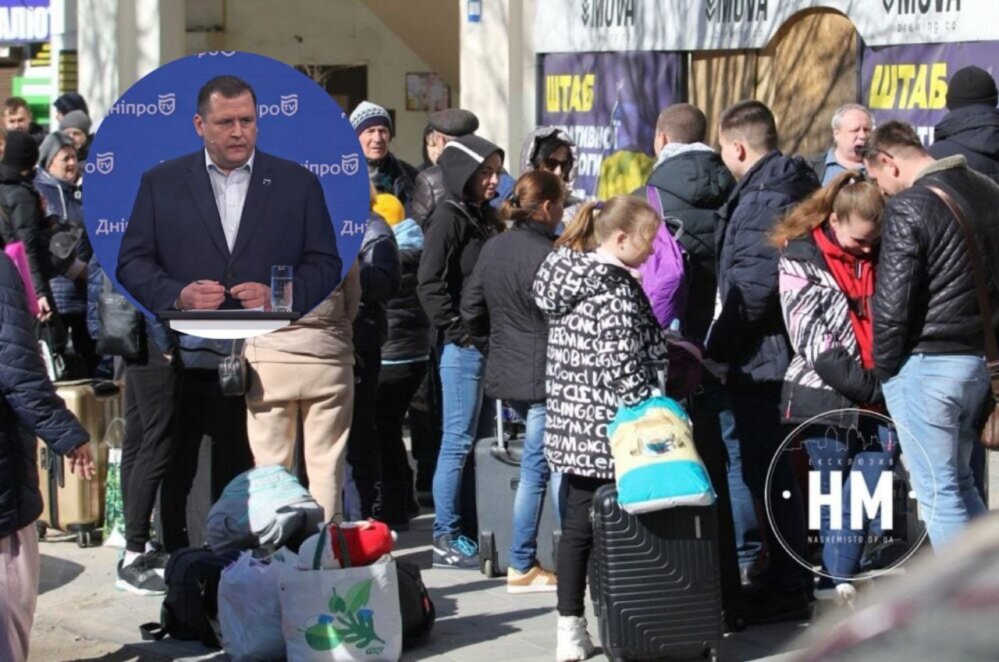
column 663, row 273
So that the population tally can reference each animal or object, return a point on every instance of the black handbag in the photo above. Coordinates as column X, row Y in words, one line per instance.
column 233, row 373
column 121, row 325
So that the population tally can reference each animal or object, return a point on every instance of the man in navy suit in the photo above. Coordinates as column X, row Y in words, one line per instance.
column 206, row 228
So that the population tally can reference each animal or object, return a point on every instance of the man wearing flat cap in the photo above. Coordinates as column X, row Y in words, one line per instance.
column 444, row 126
column 971, row 128
column 388, row 173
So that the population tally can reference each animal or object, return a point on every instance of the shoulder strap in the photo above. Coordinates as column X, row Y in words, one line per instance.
column 981, row 288
column 652, row 194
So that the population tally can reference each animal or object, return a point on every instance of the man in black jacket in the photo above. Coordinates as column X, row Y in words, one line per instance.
column 29, row 406
column 748, row 334
column 971, row 127
column 929, row 335
column 445, row 126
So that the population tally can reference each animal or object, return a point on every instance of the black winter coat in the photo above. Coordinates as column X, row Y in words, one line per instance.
column 925, row 300
column 428, row 194
column 380, row 275
column 749, row 333
column 27, row 224
column 692, row 186
column 29, row 406
column 498, row 309
column 455, row 235
column 408, row 326
column 972, row 131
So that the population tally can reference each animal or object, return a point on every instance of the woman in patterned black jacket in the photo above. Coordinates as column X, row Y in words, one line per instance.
column 827, row 271
column 602, row 341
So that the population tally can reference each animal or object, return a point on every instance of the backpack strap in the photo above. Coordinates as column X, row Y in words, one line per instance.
column 652, row 195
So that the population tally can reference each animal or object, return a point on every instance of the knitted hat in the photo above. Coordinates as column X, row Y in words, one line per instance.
column 454, row 122
column 76, row 119
column 367, row 115
column 389, row 207
column 969, row 86
column 50, row 147
column 21, row 151
column 69, row 102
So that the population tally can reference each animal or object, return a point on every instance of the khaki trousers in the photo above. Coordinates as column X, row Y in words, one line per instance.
column 321, row 395
column 20, row 567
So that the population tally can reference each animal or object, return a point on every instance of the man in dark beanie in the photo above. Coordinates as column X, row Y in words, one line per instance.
column 24, row 220
column 443, row 127
column 388, row 173
column 971, row 128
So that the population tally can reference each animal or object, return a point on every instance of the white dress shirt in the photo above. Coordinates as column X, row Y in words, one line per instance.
column 230, row 194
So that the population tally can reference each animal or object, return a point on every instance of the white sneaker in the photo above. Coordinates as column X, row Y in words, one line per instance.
column 574, row 641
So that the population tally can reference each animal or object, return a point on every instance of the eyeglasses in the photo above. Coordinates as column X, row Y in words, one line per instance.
column 553, row 164
column 868, row 153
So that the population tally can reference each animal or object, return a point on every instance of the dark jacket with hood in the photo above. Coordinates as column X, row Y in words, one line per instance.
column 408, row 326
column 925, row 301
column 749, row 333
column 26, row 223
column 972, row 131
column 602, row 345
column 379, row 260
column 499, row 312
column 29, row 406
column 455, row 235
column 826, row 374
column 64, row 203
column 693, row 184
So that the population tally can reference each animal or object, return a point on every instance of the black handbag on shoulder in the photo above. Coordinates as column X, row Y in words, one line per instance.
column 121, row 325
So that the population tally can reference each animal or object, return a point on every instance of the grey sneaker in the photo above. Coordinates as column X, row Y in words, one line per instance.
column 456, row 552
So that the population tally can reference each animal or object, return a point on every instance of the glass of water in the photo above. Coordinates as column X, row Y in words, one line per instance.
column 282, row 277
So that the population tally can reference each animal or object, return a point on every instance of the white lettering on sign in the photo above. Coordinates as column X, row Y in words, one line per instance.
column 24, row 24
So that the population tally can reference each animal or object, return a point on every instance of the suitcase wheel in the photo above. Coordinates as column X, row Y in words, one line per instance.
column 41, row 530
column 84, row 539
column 487, row 568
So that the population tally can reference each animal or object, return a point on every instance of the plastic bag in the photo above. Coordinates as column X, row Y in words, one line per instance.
column 250, row 610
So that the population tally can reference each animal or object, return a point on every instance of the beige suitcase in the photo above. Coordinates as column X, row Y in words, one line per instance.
column 71, row 503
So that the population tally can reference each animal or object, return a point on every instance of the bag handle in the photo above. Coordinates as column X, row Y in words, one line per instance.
column 341, row 543
column 985, row 308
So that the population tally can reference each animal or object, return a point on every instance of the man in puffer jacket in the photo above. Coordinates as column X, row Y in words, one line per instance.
column 748, row 334
column 971, row 128
column 929, row 335
column 29, row 406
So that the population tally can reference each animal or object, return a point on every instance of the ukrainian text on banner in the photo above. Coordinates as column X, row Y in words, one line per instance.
column 154, row 122
column 910, row 82
column 608, row 103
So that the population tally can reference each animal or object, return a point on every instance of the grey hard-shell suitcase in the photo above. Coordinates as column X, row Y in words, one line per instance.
column 497, row 474
column 655, row 580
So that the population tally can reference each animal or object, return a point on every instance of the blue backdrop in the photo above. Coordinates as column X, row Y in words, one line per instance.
column 153, row 122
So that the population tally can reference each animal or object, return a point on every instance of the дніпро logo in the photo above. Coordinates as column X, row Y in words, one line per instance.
column 103, row 163
column 349, row 163
column 167, row 103
column 859, row 497
column 288, row 107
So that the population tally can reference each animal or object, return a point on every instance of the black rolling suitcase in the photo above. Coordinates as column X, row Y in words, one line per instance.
column 655, row 581
column 497, row 474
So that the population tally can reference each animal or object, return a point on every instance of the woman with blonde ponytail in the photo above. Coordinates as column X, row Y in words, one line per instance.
column 603, row 340
column 827, row 266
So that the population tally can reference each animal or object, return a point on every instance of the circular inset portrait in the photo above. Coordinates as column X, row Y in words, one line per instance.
column 226, row 194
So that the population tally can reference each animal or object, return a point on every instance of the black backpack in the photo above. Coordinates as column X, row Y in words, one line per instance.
column 418, row 613
column 190, row 608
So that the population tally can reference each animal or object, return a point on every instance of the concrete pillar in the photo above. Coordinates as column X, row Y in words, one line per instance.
column 499, row 72
column 123, row 40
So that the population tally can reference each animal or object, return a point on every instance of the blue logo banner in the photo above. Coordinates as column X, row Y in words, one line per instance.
column 154, row 122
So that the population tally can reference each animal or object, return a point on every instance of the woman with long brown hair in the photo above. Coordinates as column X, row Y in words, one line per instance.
column 827, row 269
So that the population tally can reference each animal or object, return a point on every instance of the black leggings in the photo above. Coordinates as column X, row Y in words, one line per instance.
column 576, row 543
column 151, row 398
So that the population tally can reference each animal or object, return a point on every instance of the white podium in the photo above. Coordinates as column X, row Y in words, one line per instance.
column 226, row 324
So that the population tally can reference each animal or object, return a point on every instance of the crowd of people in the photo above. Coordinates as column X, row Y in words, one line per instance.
column 834, row 283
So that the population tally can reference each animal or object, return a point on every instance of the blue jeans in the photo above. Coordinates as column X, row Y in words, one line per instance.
column 534, row 476
column 748, row 539
column 936, row 402
column 461, row 372
column 868, row 451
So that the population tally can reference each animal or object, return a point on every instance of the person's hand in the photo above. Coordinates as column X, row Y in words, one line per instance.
column 252, row 295
column 44, row 309
column 201, row 295
column 79, row 459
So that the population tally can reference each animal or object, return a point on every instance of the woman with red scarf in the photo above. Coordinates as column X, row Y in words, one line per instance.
column 827, row 269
